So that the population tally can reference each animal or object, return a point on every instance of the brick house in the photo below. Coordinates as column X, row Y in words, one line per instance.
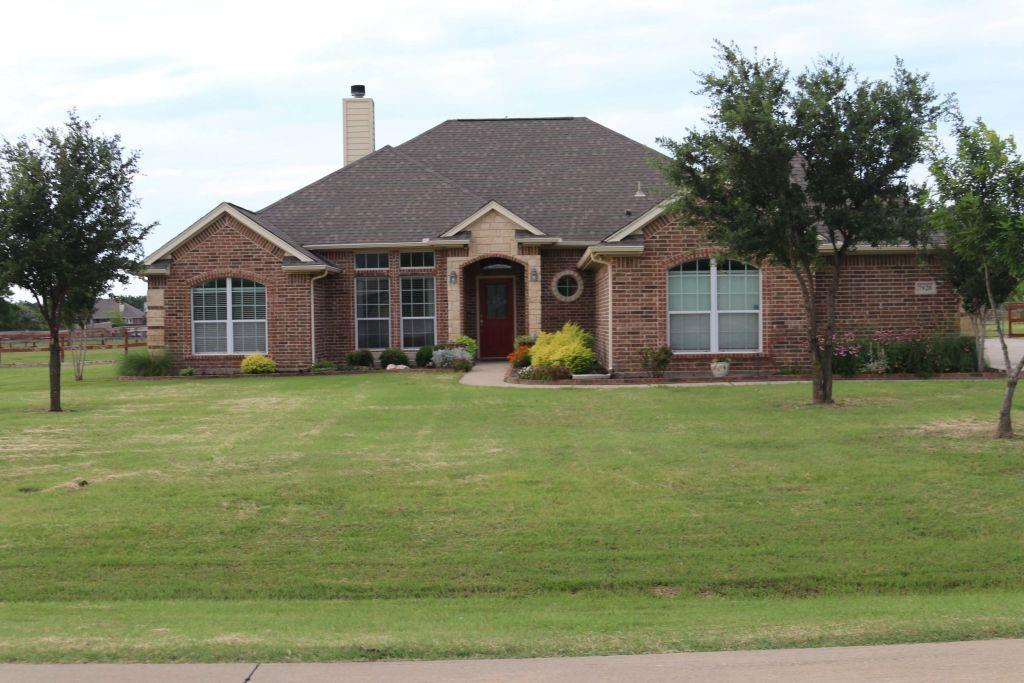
column 494, row 228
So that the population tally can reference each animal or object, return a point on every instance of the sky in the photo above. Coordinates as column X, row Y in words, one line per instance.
column 241, row 102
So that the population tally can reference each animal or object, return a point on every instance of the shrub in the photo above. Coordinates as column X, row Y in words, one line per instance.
column 186, row 372
column 525, row 340
column 145, row 365
column 462, row 365
column 424, row 356
column 445, row 358
column 359, row 358
column 467, row 343
column 323, row 365
column 570, row 347
column 393, row 356
column 258, row 364
column 655, row 361
column 520, row 358
column 545, row 373
column 955, row 354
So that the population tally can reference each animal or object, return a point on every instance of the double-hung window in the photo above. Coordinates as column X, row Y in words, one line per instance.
column 373, row 313
column 229, row 316
column 714, row 306
column 418, row 312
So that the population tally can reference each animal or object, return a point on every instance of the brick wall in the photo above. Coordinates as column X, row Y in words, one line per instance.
column 555, row 312
column 228, row 249
column 878, row 292
column 338, row 306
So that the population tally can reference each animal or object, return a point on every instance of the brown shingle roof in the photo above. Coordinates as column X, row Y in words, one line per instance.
column 570, row 177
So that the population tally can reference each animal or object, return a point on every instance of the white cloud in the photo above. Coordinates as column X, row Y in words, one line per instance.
column 241, row 101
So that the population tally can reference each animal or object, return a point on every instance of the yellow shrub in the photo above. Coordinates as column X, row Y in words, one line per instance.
column 258, row 364
column 570, row 347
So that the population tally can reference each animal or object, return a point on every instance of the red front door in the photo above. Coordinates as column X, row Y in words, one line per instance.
column 497, row 317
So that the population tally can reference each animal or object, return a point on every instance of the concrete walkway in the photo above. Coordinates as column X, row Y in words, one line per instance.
column 994, row 352
column 991, row 660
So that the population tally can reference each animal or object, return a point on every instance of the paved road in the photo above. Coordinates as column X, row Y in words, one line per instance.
column 987, row 660
column 994, row 352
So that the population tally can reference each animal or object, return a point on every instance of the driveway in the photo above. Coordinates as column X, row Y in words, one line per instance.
column 985, row 660
column 994, row 352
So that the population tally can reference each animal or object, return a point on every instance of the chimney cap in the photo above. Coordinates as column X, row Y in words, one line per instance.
column 358, row 91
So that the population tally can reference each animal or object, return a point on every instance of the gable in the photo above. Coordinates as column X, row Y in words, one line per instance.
column 241, row 217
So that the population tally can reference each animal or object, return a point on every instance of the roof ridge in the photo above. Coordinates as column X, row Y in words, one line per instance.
column 325, row 178
column 454, row 183
column 625, row 137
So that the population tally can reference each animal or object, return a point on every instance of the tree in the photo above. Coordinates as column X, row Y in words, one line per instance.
column 67, row 220
column 969, row 282
column 980, row 211
column 801, row 172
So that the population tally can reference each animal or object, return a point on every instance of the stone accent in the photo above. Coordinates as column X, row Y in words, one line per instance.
column 494, row 235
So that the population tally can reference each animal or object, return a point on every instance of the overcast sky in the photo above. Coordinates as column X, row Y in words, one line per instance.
column 242, row 101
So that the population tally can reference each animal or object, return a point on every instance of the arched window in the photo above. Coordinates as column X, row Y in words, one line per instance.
column 714, row 306
column 229, row 316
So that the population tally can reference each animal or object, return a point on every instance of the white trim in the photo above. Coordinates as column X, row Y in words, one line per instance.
column 401, row 313
column 355, row 308
column 312, row 316
column 369, row 246
column 497, row 208
column 592, row 253
column 311, row 268
column 713, row 314
column 229, row 321
column 639, row 222
column 205, row 221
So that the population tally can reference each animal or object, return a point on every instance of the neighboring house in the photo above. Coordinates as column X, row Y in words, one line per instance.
column 109, row 310
column 495, row 228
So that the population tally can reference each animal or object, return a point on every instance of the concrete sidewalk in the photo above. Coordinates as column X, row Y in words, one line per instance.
column 991, row 660
column 994, row 352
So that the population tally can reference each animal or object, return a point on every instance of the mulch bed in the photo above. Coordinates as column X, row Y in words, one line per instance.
column 703, row 379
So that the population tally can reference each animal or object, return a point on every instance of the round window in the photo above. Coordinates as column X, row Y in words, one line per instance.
column 567, row 286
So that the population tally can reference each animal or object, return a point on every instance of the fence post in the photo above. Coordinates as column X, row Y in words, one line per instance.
column 125, row 330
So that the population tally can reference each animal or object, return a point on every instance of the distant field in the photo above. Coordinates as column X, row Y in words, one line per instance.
column 386, row 515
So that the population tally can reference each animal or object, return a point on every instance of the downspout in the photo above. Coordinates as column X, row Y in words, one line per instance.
column 312, row 315
column 596, row 258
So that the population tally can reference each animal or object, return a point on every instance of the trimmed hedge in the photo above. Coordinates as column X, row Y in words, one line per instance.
column 359, row 358
column 393, row 356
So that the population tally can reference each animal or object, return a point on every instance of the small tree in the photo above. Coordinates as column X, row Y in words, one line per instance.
column 77, row 313
column 67, row 221
column 969, row 282
column 800, row 172
column 980, row 210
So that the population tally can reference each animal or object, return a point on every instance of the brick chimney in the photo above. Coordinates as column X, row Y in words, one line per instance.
column 357, row 124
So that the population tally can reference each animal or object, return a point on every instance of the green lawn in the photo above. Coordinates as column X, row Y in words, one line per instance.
column 393, row 515
column 13, row 359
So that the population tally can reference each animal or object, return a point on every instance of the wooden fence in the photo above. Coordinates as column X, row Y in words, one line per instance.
column 1015, row 319
column 96, row 338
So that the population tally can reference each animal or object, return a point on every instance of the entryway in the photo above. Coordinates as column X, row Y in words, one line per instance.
column 496, row 315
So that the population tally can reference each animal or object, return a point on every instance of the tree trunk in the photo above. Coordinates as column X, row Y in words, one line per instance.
column 978, row 324
column 1005, row 428
column 55, row 369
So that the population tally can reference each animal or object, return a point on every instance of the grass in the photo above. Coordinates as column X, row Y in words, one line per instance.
column 14, row 359
column 390, row 515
